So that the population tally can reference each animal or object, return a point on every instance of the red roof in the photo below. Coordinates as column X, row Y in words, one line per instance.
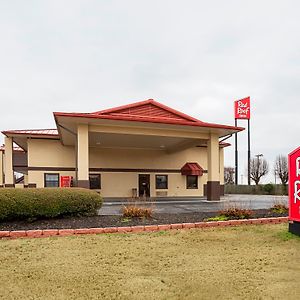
column 192, row 169
column 49, row 132
column 147, row 111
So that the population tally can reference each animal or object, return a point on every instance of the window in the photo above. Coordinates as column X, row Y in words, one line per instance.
column 191, row 181
column 161, row 181
column 51, row 180
column 95, row 181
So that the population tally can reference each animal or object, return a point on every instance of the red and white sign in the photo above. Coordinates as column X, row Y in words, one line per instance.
column 294, row 185
column 65, row 181
column 242, row 108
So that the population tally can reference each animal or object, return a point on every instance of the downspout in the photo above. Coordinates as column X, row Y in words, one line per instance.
column 226, row 138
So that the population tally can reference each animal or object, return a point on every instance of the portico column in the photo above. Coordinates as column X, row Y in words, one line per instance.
column 8, row 162
column 213, row 183
column 1, row 169
column 222, row 188
column 83, row 155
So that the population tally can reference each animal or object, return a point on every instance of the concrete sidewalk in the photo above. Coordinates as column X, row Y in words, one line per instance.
column 197, row 204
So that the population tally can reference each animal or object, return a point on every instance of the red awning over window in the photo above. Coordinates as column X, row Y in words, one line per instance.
column 192, row 169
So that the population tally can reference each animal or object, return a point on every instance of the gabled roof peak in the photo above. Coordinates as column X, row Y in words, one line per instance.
column 147, row 109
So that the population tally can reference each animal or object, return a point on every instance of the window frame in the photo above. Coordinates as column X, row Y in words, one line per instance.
column 192, row 187
column 100, row 181
column 167, row 182
column 45, row 181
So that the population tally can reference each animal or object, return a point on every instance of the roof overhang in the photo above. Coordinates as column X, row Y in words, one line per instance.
column 67, row 126
column 20, row 136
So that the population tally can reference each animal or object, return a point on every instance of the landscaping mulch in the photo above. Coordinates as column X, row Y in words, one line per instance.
column 118, row 221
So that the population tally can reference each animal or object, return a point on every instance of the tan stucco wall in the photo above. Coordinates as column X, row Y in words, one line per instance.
column 145, row 159
column 116, row 184
column 37, row 177
column 51, row 153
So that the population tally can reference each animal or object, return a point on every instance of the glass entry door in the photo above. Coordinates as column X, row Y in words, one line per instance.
column 144, row 185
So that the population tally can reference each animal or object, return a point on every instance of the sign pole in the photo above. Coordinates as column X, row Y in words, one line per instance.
column 236, row 156
column 249, row 153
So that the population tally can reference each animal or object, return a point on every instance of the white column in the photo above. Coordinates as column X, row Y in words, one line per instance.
column 213, row 183
column 8, row 162
column 1, row 169
column 83, row 155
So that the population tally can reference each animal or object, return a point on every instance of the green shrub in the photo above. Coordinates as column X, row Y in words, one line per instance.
column 269, row 188
column 18, row 204
column 236, row 213
column 281, row 209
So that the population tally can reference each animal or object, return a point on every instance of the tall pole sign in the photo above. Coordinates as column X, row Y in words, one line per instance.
column 242, row 111
column 294, row 191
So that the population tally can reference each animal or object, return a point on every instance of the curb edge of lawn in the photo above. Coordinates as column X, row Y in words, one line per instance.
column 147, row 228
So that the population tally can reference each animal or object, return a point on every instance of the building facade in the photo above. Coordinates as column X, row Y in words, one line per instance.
column 140, row 149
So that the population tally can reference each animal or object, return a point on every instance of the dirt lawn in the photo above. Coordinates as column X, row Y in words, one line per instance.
column 246, row 262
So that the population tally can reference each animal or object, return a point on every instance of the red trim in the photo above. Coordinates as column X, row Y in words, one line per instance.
column 37, row 132
column 114, row 114
column 223, row 145
column 147, row 119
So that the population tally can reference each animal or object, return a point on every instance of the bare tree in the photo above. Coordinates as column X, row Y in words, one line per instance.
column 259, row 167
column 281, row 169
column 229, row 175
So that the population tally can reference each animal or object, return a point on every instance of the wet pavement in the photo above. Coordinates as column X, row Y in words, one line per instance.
column 197, row 204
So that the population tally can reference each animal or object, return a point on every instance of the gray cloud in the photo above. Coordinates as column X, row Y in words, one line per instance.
column 195, row 56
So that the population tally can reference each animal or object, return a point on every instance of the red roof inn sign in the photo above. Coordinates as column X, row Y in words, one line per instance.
column 294, row 191
column 242, row 108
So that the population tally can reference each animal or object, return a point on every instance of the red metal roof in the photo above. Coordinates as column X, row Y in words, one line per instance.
column 147, row 111
column 49, row 132
column 148, row 108
column 192, row 169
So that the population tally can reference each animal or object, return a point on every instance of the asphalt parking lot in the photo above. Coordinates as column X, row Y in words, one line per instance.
column 186, row 205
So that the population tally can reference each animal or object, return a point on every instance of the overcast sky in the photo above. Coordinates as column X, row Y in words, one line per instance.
column 195, row 56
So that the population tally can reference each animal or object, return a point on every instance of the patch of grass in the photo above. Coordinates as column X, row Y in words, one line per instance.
column 286, row 236
column 126, row 220
column 183, row 264
column 217, row 218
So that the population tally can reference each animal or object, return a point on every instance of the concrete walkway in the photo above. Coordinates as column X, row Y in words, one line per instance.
column 189, row 205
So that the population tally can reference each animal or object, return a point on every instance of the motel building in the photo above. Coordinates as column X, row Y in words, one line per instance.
column 143, row 149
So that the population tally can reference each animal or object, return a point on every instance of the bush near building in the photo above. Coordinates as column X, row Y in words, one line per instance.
column 18, row 204
column 261, row 189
